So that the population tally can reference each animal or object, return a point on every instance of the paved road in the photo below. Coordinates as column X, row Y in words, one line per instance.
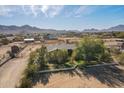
column 11, row 72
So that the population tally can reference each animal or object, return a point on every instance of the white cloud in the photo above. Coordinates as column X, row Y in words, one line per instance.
column 51, row 11
column 47, row 10
column 44, row 9
column 5, row 11
column 81, row 9
column 27, row 10
column 85, row 10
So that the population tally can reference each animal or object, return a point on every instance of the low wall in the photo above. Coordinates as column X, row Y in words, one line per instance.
column 56, row 70
column 74, row 68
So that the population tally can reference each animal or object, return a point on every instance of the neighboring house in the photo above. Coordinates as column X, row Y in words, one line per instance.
column 69, row 39
column 29, row 40
column 50, row 37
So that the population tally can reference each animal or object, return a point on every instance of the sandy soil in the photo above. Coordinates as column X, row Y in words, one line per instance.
column 102, row 77
column 3, row 50
column 66, row 81
column 12, row 71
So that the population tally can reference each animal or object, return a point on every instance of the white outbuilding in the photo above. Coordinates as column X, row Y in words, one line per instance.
column 29, row 40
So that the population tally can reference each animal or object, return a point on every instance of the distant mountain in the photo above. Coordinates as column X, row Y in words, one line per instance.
column 26, row 29
column 90, row 30
column 32, row 29
column 116, row 28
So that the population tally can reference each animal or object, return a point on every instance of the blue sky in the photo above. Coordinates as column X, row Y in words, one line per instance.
column 63, row 17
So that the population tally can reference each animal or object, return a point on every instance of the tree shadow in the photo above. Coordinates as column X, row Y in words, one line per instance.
column 44, row 77
column 41, row 78
column 110, row 75
column 71, row 73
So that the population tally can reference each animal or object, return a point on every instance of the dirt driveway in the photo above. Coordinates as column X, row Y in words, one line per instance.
column 11, row 72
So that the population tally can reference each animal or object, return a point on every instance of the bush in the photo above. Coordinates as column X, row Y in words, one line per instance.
column 26, row 83
column 58, row 56
column 91, row 49
column 5, row 41
column 106, row 57
column 29, row 73
column 121, row 58
column 115, row 51
column 42, row 59
column 18, row 38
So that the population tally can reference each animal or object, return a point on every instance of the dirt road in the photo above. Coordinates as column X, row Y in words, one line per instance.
column 12, row 71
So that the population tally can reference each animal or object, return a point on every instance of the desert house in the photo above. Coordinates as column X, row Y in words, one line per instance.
column 29, row 40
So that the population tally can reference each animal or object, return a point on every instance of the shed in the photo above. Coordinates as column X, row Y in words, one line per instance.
column 29, row 40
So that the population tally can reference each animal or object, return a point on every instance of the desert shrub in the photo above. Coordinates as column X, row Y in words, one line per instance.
column 115, row 51
column 18, row 38
column 58, row 56
column 29, row 73
column 26, row 83
column 4, row 41
column 121, row 59
column 42, row 59
column 91, row 49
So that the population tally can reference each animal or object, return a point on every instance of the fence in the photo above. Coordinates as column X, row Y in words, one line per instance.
column 74, row 68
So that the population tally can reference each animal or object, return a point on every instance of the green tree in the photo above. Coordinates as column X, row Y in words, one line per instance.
column 42, row 57
column 121, row 58
column 58, row 56
column 91, row 49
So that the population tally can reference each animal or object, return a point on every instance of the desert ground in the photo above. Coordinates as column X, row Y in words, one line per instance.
column 12, row 71
column 98, row 77
column 3, row 50
column 94, row 77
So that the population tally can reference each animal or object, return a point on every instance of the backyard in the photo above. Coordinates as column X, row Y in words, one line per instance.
column 89, row 52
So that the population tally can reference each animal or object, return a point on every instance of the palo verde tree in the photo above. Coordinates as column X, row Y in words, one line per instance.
column 59, row 56
column 42, row 57
column 91, row 49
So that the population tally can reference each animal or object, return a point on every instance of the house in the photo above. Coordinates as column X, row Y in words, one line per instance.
column 29, row 40
column 50, row 37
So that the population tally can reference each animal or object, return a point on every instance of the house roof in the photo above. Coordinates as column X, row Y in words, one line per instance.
column 29, row 39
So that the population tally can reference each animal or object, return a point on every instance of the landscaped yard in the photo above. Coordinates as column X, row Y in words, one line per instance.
column 89, row 51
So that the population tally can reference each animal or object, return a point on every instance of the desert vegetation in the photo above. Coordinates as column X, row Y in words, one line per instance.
column 89, row 51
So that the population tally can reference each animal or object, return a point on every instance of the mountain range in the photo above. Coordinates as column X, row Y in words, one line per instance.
column 33, row 29
column 114, row 28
